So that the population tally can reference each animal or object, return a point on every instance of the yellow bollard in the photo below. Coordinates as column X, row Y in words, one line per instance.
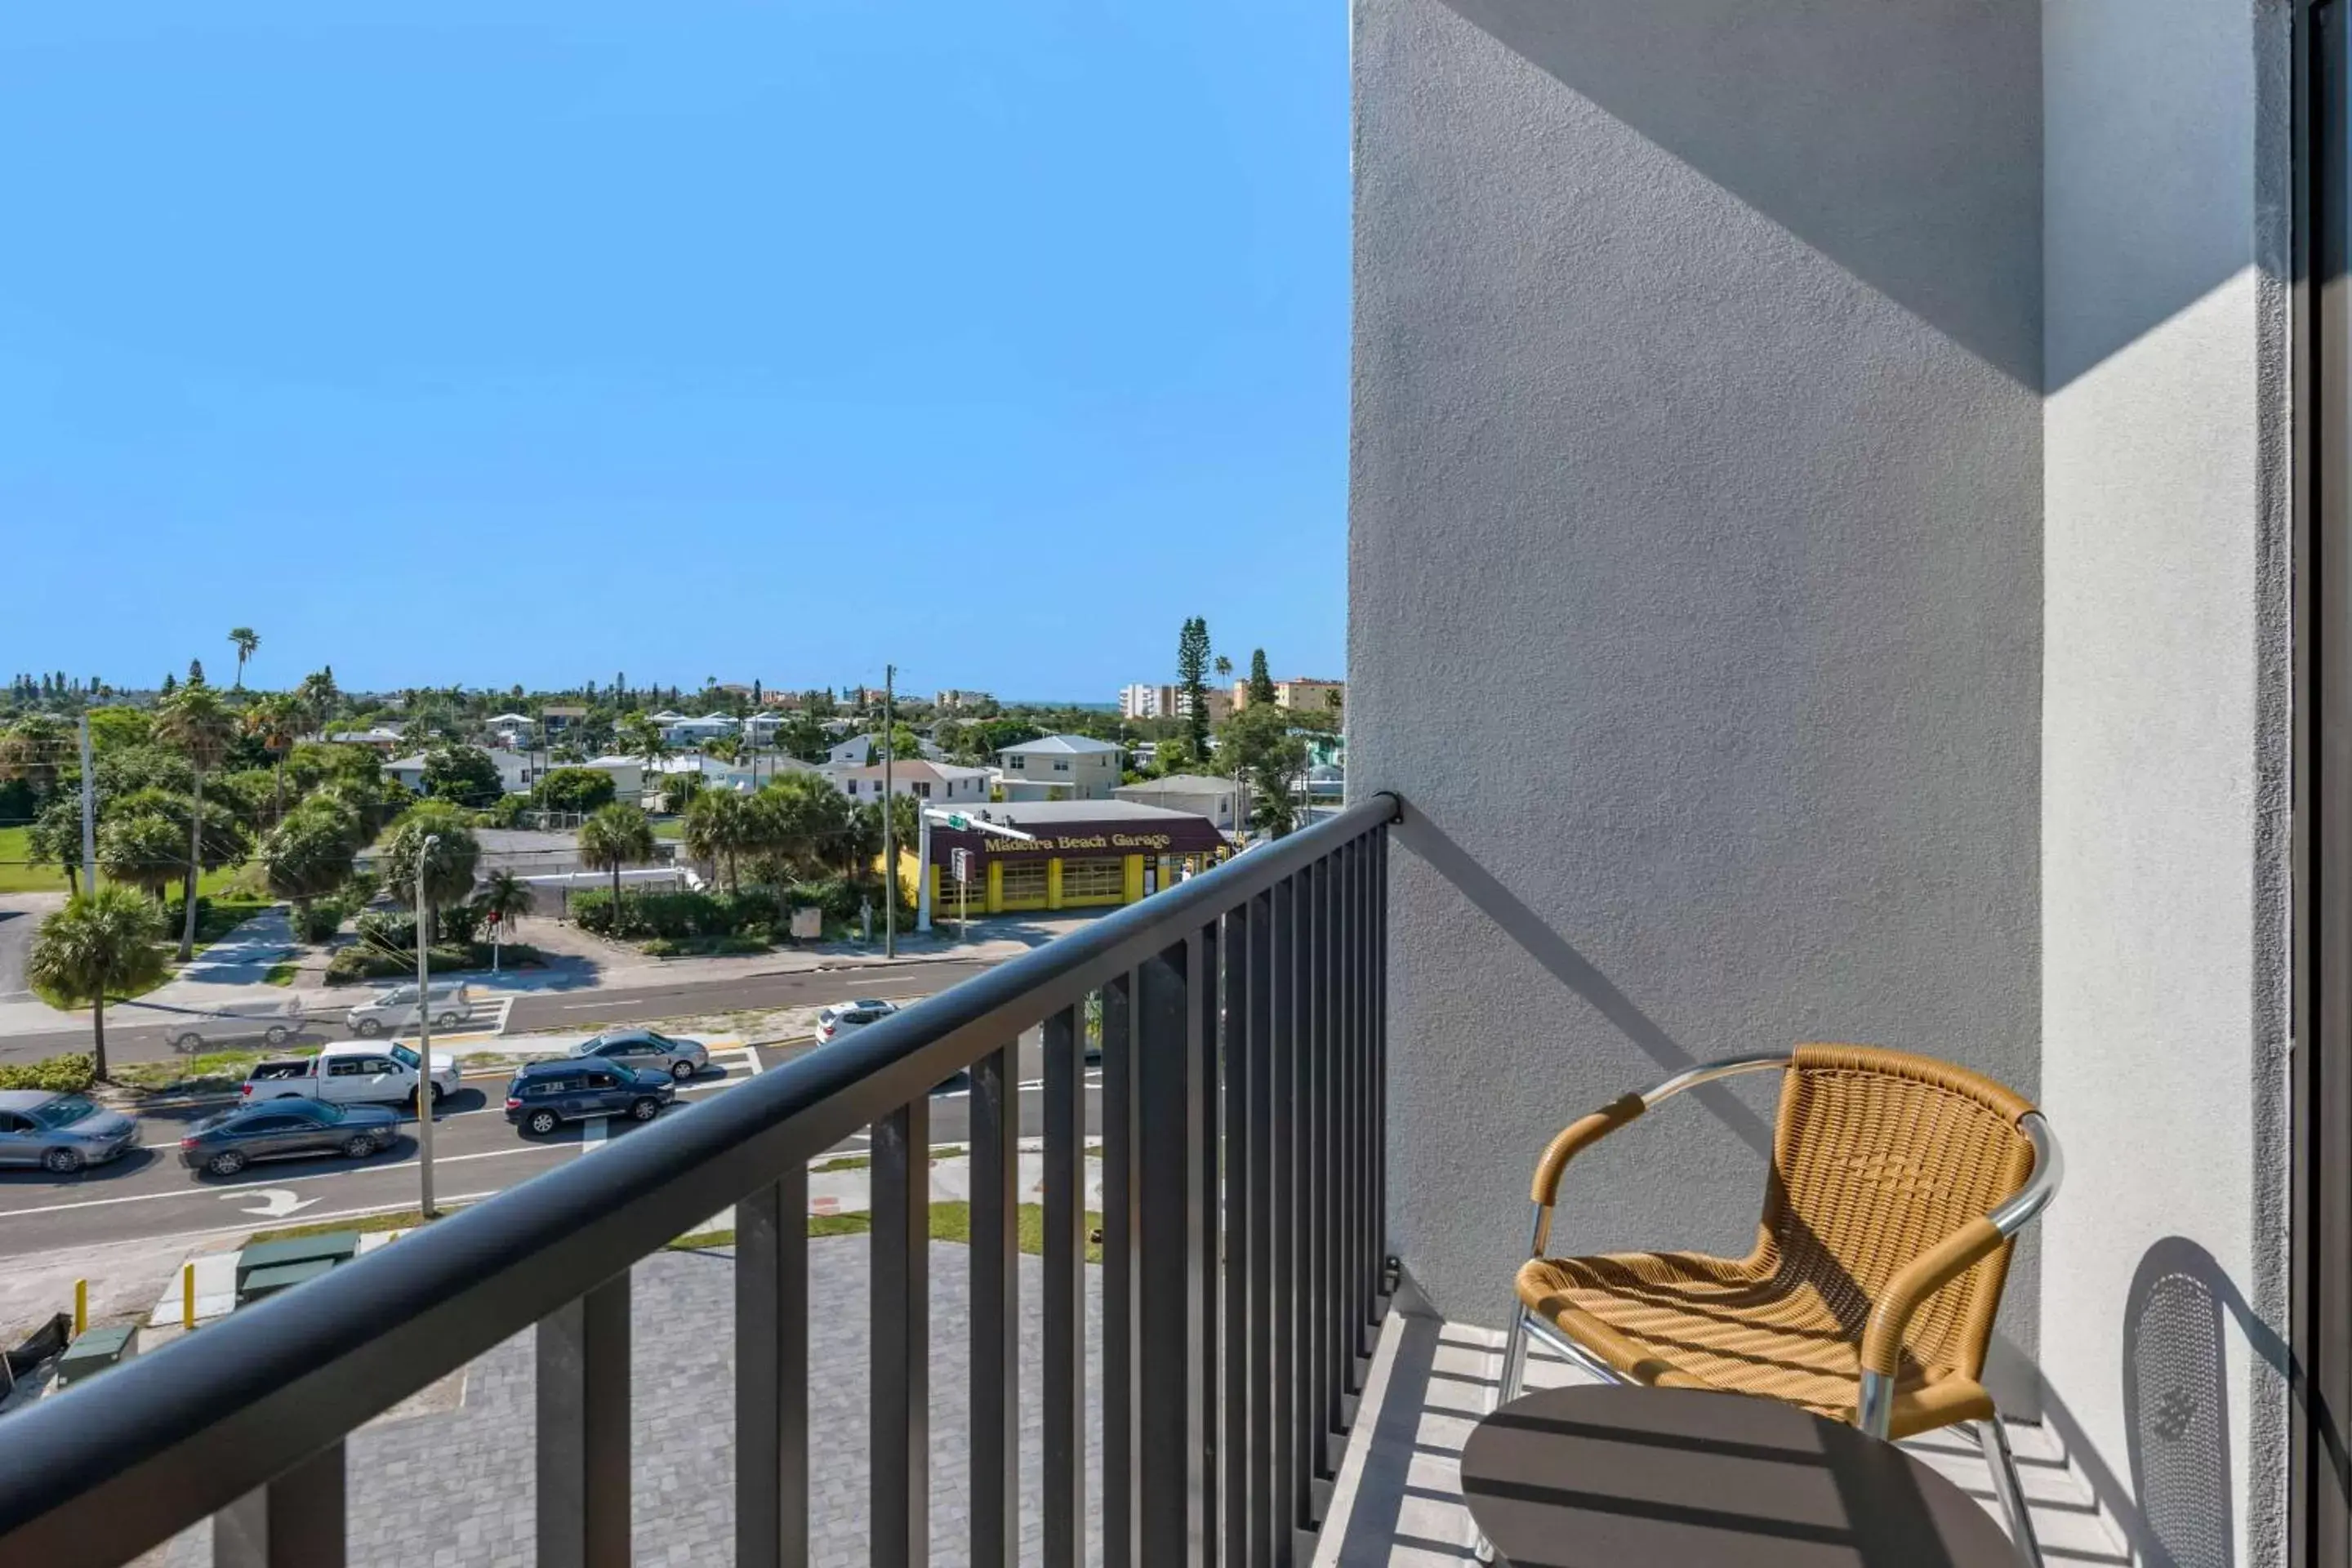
column 81, row 1308
column 188, row 1297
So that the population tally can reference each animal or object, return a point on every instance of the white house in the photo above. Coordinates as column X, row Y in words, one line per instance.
column 937, row 784
column 627, row 774
column 696, row 732
column 516, row 771
column 512, row 728
column 1060, row 767
column 1198, row 794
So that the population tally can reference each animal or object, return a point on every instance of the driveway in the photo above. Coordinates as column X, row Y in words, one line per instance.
column 20, row 915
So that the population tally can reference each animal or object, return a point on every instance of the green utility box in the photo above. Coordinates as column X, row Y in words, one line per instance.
column 94, row 1352
column 275, row 1266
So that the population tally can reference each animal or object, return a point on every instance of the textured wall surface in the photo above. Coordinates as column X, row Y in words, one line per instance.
column 1695, row 577
column 2166, row 763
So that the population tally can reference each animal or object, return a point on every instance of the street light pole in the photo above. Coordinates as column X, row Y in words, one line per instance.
column 424, row 1032
column 88, row 813
column 890, row 840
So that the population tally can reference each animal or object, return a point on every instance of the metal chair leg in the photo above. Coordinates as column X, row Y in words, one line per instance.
column 1994, row 1442
column 1515, row 1357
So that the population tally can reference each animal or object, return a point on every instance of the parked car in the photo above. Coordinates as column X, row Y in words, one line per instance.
column 349, row 1074
column 273, row 1020
column 450, row 1004
column 648, row 1050
column 224, row 1144
column 848, row 1017
column 60, row 1133
column 544, row 1094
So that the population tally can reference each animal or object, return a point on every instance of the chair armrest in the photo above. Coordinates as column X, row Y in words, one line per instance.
column 1578, row 1136
column 1882, row 1341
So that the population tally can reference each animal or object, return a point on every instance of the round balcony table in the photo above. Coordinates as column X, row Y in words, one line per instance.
column 1601, row 1477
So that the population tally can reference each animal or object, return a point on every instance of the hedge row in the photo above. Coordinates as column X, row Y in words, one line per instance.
column 759, row 914
column 58, row 1075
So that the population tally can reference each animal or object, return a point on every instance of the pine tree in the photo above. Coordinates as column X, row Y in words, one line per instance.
column 1193, row 676
column 171, row 683
column 195, row 672
column 1261, row 686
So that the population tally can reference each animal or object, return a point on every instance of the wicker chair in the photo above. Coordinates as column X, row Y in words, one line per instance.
column 1898, row 1184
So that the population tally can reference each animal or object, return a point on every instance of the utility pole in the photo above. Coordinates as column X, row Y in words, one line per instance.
column 424, row 1032
column 88, row 813
column 889, row 840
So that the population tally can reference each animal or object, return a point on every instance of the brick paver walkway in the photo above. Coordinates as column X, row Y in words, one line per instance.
column 455, row 1490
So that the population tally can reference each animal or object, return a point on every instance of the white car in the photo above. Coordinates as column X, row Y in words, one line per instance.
column 848, row 1017
column 273, row 1020
column 349, row 1074
column 451, row 1002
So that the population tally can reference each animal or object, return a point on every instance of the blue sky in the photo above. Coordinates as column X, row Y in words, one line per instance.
column 534, row 341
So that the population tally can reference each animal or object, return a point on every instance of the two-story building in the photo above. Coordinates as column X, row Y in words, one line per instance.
column 1059, row 767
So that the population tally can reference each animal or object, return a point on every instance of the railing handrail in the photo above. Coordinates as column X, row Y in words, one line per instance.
column 204, row 1422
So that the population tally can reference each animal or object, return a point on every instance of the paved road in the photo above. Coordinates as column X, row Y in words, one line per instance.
column 128, row 1041
column 148, row 1194
column 19, row 913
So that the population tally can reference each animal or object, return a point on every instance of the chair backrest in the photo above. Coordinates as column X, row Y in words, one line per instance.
column 1878, row 1156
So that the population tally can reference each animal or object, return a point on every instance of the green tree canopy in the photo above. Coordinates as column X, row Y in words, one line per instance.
column 309, row 855
column 1255, row 745
column 463, row 774
column 1192, row 678
column 143, row 849
column 448, row 866
column 722, row 827
column 575, row 789
column 245, row 641
column 101, row 944
column 54, row 838
column 801, row 821
column 1261, row 684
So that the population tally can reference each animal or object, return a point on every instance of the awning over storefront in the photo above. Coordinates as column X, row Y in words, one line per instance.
column 1107, row 828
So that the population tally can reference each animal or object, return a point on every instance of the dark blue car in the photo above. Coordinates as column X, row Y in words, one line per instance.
column 544, row 1094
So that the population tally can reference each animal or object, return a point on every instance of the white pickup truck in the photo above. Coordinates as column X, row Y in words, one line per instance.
column 349, row 1074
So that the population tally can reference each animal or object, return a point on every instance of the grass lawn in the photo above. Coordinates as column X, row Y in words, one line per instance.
column 671, row 829
column 15, row 877
column 214, row 920
column 281, row 975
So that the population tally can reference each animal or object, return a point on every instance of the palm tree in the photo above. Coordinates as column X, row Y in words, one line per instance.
column 505, row 898
column 1224, row 669
column 275, row 721
column 194, row 722
column 245, row 641
column 722, row 824
column 318, row 696
column 448, row 869
column 101, row 944
column 614, row 836
column 800, row 820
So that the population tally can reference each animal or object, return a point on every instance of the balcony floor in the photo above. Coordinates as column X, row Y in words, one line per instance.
column 1398, row 1499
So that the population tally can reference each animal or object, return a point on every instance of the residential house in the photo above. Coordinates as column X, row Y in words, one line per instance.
column 518, row 771
column 378, row 738
column 558, row 717
column 1201, row 794
column 940, row 784
column 511, row 729
column 698, row 731
column 1059, row 767
column 742, row 774
column 627, row 774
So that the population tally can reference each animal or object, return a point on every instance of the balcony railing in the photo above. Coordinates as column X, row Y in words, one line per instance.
column 1243, row 1046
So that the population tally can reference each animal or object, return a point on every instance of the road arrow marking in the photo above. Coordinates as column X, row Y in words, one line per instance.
column 277, row 1203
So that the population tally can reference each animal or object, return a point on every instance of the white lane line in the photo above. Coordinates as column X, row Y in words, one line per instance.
column 591, row 1132
column 751, row 1053
column 276, row 1181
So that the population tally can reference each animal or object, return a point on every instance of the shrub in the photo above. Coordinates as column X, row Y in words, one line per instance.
column 383, row 929
column 56, row 1075
column 706, row 946
column 359, row 888
column 457, row 924
column 320, row 921
column 836, row 896
column 354, row 964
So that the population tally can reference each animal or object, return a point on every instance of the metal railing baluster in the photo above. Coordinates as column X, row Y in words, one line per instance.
column 772, row 1319
column 1207, row 1056
column 295, row 1521
column 995, row 1310
column 1065, row 1370
column 1243, row 1185
column 901, row 1388
column 1122, row 1453
column 584, row 1430
column 1168, row 1250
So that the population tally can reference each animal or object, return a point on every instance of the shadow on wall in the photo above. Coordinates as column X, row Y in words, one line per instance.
column 1904, row 143
column 1515, row 920
column 2176, row 1508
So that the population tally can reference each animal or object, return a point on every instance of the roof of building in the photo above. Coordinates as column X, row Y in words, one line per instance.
column 510, row 719
column 1023, row 813
column 909, row 768
column 665, row 717
column 613, row 761
column 1060, row 745
column 1182, row 783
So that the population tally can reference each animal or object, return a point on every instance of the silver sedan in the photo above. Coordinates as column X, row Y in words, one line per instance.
column 60, row 1133
column 647, row 1050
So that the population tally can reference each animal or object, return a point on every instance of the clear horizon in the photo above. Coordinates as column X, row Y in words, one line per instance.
column 452, row 349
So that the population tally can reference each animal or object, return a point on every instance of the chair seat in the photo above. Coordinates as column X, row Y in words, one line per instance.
column 1680, row 1319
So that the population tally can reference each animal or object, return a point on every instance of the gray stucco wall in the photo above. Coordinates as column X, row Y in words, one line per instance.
column 1695, row 577
column 2167, row 767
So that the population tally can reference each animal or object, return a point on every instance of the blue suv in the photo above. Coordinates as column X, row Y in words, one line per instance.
column 542, row 1096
